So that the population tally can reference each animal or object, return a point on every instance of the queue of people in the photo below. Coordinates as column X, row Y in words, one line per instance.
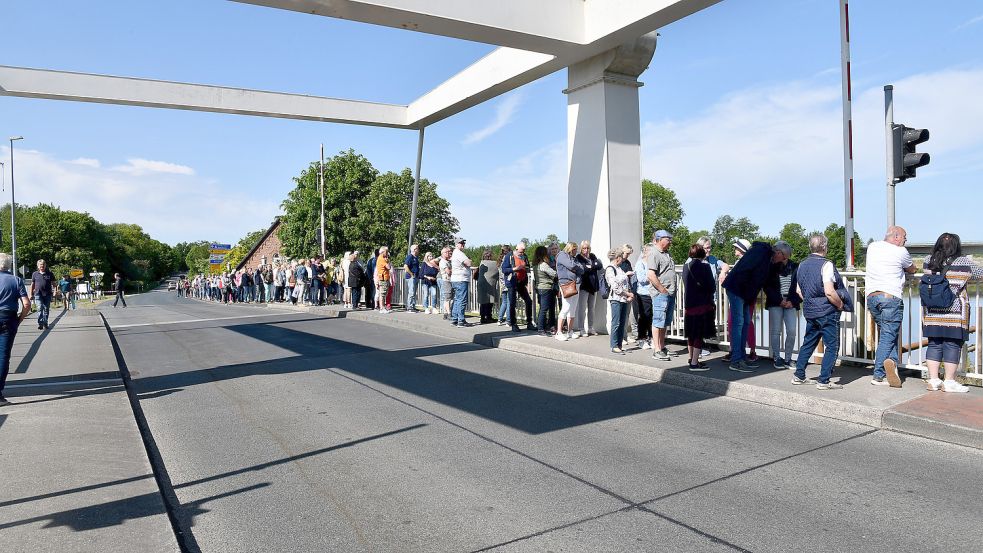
column 569, row 282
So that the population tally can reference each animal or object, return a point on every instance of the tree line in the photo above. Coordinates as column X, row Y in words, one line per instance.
column 72, row 240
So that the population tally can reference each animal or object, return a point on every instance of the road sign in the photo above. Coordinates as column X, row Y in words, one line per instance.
column 76, row 273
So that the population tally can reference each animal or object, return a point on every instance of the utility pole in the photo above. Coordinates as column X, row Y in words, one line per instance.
column 889, row 133
column 320, row 171
column 847, row 131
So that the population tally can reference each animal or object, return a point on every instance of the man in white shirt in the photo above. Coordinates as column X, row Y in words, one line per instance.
column 460, row 277
column 888, row 262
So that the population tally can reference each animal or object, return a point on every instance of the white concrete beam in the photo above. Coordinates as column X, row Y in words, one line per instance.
column 85, row 87
column 548, row 26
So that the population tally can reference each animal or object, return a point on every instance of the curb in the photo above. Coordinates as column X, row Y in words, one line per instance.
column 933, row 429
column 848, row 412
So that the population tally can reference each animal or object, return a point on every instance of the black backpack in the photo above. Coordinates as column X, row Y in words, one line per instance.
column 934, row 290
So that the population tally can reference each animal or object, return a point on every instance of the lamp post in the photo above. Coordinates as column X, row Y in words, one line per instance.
column 13, row 208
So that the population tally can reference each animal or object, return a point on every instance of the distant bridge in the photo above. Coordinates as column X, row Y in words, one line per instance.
column 969, row 248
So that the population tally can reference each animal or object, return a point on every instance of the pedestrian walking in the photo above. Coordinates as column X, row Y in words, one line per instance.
column 947, row 328
column 118, row 288
column 42, row 290
column 824, row 299
column 14, row 307
column 888, row 261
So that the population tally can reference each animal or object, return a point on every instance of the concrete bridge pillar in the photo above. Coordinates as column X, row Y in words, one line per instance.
column 604, row 190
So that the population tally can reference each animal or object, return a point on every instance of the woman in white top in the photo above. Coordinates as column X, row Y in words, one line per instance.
column 345, row 262
column 619, row 296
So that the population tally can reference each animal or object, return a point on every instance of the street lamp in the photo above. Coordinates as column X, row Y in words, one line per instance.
column 13, row 208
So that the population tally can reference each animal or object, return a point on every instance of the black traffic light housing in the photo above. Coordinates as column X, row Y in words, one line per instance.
column 906, row 159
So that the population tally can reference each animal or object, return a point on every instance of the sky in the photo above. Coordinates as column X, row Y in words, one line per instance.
column 740, row 114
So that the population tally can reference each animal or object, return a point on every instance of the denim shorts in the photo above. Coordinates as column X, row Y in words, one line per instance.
column 946, row 350
column 663, row 306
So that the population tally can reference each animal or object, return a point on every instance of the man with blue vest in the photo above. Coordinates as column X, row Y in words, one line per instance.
column 824, row 298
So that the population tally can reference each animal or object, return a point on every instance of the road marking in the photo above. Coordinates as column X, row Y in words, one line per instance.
column 67, row 383
column 117, row 327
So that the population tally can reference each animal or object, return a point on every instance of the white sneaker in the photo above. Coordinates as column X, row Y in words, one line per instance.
column 647, row 344
column 561, row 337
column 704, row 354
column 934, row 384
column 953, row 386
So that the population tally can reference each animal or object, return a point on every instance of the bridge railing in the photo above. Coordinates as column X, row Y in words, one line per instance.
column 858, row 332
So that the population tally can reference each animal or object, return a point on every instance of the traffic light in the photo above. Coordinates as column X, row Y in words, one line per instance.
column 906, row 159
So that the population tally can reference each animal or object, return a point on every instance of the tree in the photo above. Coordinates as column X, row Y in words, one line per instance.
column 384, row 216
column 661, row 209
column 197, row 258
column 836, row 246
column 726, row 230
column 348, row 178
column 682, row 239
column 795, row 235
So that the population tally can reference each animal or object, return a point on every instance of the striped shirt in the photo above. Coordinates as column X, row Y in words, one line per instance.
column 953, row 322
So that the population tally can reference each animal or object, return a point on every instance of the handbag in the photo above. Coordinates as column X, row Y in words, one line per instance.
column 569, row 289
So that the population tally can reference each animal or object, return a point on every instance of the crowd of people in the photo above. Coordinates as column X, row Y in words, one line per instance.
column 570, row 281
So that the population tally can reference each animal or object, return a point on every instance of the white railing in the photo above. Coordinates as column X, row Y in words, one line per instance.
column 858, row 332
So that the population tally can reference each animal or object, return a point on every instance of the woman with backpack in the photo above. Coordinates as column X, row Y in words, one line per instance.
column 945, row 316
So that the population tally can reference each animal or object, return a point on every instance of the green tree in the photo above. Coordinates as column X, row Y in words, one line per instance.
column 196, row 260
column 836, row 246
column 348, row 178
column 796, row 236
column 661, row 209
column 726, row 230
column 682, row 239
column 384, row 216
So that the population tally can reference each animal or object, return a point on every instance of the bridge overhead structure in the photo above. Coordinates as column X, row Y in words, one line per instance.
column 605, row 43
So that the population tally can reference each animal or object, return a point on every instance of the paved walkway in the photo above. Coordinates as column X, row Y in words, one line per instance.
column 953, row 418
column 76, row 476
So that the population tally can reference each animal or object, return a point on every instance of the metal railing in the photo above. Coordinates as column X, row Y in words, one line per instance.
column 858, row 332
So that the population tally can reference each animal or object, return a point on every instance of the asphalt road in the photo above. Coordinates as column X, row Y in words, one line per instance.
column 281, row 431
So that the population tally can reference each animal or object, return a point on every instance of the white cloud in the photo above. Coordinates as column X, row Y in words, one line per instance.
column 781, row 141
column 171, row 205
column 87, row 161
column 139, row 167
column 969, row 22
column 525, row 198
column 504, row 112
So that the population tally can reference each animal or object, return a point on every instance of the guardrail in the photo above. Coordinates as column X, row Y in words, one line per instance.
column 858, row 332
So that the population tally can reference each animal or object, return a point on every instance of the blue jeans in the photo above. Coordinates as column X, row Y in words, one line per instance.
column 430, row 296
column 44, row 308
column 827, row 328
column 460, row 301
column 888, row 314
column 411, row 293
column 619, row 316
column 739, row 327
column 8, row 330
column 269, row 292
column 547, row 308
column 504, row 307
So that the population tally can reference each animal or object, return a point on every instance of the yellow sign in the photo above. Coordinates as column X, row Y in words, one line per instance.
column 76, row 273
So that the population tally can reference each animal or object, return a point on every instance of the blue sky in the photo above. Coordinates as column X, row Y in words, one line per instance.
column 740, row 115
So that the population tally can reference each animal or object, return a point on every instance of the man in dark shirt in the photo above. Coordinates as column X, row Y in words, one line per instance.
column 411, row 267
column 42, row 286
column 14, row 306
column 118, row 287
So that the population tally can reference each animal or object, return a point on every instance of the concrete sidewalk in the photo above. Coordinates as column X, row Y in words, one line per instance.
column 912, row 409
column 76, row 476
